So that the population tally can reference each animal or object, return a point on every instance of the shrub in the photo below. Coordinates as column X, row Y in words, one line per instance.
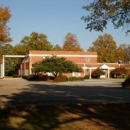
column 86, row 77
column 60, row 79
column 96, row 73
column 16, row 76
column 24, row 76
column 72, row 78
column 80, row 78
column 32, row 77
column 126, row 83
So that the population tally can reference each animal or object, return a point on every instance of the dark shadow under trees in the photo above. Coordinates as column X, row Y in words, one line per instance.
column 51, row 107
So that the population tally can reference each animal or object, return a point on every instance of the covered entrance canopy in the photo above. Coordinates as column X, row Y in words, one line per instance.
column 105, row 68
column 3, row 62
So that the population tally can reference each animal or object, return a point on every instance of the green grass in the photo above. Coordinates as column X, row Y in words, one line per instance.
column 73, row 117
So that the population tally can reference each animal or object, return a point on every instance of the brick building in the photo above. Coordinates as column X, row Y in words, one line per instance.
column 86, row 60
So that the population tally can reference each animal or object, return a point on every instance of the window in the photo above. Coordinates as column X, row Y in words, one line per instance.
column 76, row 74
column 87, row 59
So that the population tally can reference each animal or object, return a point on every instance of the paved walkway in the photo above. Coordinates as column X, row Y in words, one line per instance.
column 22, row 92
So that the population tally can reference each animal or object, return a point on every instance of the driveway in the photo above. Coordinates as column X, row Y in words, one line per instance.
column 22, row 92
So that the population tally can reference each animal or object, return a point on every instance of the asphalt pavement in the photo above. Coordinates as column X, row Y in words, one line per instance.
column 23, row 92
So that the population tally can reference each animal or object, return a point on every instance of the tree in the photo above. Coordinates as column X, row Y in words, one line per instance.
column 57, row 47
column 5, row 16
column 36, row 41
column 102, row 11
column 120, row 71
column 106, row 49
column 19, row 49
column 125, row 52
column 71, row 43
column 56, row 65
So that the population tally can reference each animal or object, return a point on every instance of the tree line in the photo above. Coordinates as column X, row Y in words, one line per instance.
column 104, row 45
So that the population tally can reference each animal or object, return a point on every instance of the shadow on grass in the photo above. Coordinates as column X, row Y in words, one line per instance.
column 53, row 107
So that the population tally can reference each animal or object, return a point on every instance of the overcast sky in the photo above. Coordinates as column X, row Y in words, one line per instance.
column 55, row 18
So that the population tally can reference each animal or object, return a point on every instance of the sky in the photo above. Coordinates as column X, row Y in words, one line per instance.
column 55, row 18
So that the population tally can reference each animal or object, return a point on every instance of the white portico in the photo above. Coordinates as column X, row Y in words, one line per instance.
column 3, row 62
column 106, row 71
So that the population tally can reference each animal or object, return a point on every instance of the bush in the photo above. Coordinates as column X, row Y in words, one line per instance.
column 76, row 78
column 60, row 79
column 126, row 83
column 16, row 76
column 72, row 78
column 86, row 77
column 24, row 76
column 32, row 77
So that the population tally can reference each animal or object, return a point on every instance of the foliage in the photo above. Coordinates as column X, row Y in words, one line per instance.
column 96, row 73
column 102, row 11
column 121, row 71
column 36, row 41
column 5, row 16
column 31, row 77
column 19, row 49
column 24, row 76
column 71, row 43
column 126, row 83
column 57, row 47
column 72, row 78
column 125, row 50
column 56, row 65
column 16, row 76
column 60, row 78
column 106, row 49
column 86, row 76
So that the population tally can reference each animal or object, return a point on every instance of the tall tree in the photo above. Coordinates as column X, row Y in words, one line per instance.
column 102, row 11
column 5, row 16
column 36, row 41
column 71, row 43
column 126, row 52
column 106, row 48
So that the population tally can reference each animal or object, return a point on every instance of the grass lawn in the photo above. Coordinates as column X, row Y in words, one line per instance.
column 73, row 117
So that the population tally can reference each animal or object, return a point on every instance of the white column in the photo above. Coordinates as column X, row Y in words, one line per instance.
column 24, row 66
column 1, row 76
column 90, row 73
column 84, row 69
column 30, row 64
column 3, row 67
column 108, row 73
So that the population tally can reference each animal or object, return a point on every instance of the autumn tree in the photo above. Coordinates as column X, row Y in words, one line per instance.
column 120, row 71
column 102, row 11
column 5, row 16
column 71, row 43
column 125, row 50
column 106, row 49
column 57, row 47
column 19, row 49
column 56, row 65
column 36, row 41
